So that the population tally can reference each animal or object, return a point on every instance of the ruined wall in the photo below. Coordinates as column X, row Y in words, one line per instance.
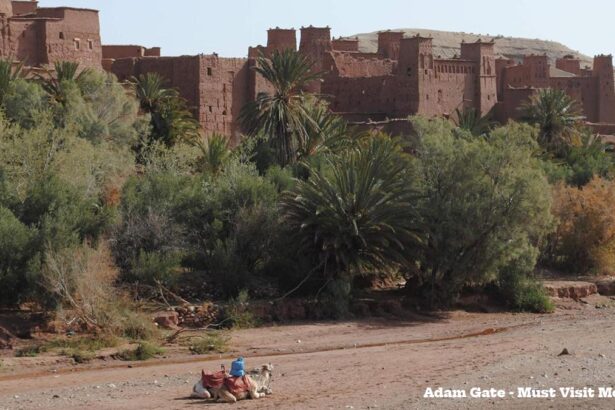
column 345, row 44
column 357, row 64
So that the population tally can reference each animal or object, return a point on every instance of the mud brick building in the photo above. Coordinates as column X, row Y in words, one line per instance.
column 41, row 36
column 403, row 77
column 592, row 88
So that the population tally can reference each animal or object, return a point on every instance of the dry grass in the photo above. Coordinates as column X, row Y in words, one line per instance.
column 82, row 281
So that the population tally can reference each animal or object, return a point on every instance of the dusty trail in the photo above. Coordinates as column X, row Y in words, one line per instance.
column 318, row 366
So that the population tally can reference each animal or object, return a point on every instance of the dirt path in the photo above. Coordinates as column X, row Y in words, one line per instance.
column 363, row 365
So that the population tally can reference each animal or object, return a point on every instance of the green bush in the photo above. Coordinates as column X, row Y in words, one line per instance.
column 357, row 212
column 520, row 290
column 222, row 226
column 154, row 267
column 18, row 258
column 483, row 200
column 24, row 101
column 237, row 313
column 150, row 236
column 31, row 350
column 144, row 351
column 135, row 325
column 211, row 342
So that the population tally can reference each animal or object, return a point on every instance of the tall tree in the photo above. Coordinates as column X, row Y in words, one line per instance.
column 483, row 202
column 65, row 74
column 469, row 119
column 171, row 120
column 556, row 115
column 358, row 211
column 215, row 151
column 281, row 115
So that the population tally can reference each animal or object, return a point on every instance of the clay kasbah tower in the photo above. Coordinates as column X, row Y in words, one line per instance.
column 403, row 77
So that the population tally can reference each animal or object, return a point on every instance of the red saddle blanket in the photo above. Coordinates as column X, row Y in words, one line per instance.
column 235, row 385
column 213, row 380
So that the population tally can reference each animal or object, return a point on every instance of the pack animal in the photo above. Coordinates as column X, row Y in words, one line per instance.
column 221, row 386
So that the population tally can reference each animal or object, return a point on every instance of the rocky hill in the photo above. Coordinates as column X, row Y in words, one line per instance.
column 446, row 44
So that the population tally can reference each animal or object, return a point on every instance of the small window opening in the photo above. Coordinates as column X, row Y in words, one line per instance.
column 61, row 35
column 209, row 71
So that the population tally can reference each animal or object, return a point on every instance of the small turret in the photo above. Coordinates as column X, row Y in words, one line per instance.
column 388, row 44
column 281, row 39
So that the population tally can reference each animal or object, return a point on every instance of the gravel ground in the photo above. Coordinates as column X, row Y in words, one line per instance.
column 365, row 365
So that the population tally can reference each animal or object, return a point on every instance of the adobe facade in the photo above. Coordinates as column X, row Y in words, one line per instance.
column 592, row 88
column 403, row 77
column 40, row 36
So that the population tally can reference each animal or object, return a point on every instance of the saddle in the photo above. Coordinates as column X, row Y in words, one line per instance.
column 235, row 385
column 213, row 380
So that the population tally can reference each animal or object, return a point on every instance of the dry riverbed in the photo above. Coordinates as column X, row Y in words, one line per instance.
column 357, row 365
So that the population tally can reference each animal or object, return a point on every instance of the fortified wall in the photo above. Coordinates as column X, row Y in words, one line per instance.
column 403, row 77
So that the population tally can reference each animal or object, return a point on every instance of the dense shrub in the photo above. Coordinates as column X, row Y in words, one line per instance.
column 149, row 241
column 519, row 288
column 17, row 257
column 223, row 226
column 356, row 212
column 584, row 241
column 24, row 102
column 483, row 200
column 581, row 162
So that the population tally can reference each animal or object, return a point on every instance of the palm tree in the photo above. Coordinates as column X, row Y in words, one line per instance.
column 469, row 119
column 170, row 118
column 9, row 72
column 64, row 72
column 357, row 212
column 281, row 116
column 324, row 131
column 215, row 153
column 557, row 116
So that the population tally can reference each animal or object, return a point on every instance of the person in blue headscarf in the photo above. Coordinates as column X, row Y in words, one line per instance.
column 238, row 368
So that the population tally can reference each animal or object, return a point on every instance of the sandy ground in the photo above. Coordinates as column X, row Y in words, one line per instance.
column 362, row 365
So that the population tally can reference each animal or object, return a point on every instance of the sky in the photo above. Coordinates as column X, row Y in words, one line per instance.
column 229, row 27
